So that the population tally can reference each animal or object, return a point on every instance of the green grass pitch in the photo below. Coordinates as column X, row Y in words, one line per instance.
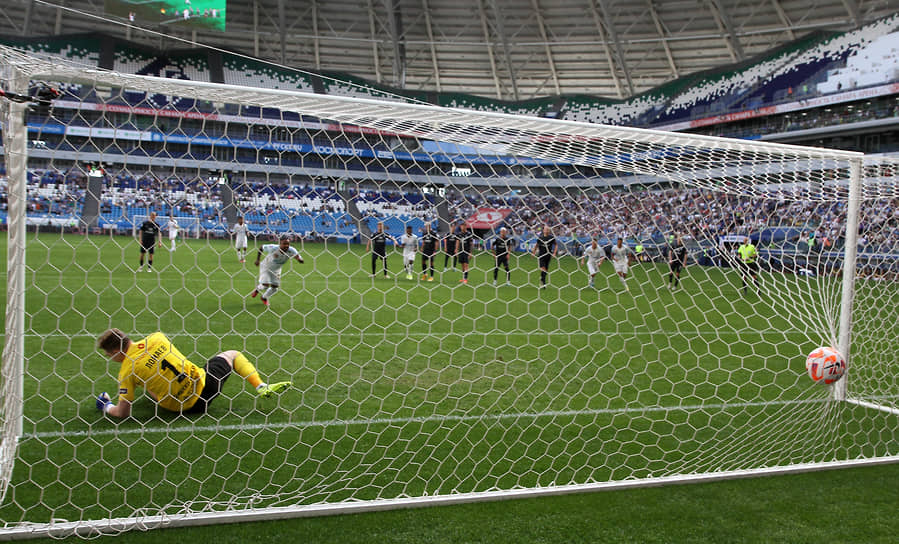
column 410, row 387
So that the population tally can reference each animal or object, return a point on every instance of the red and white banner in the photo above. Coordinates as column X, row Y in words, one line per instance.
column 487, row 218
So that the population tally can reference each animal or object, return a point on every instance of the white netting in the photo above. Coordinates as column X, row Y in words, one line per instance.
column 431, row 386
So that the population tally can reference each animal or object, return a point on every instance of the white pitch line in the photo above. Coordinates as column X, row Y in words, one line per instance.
column 406, row 420
column 605, row 333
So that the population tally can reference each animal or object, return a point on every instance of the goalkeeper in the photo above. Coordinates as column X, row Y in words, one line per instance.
column 173, row 382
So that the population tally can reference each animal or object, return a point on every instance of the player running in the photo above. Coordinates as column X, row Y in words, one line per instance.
column 594, row 255
column 270, row 268
column 172, row 227
column 169, row 378
column 409, row 242
column 622, row 255
column 429, row 243
column 240, row 231
column 149, row 232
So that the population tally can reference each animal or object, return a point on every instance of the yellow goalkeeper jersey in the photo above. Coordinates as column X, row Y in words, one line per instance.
column 156, row 365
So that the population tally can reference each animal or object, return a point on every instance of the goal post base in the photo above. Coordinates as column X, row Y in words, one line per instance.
column 94, row 528
column 873, row 405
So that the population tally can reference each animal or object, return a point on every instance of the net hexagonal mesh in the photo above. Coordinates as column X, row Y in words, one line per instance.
column 673, row 355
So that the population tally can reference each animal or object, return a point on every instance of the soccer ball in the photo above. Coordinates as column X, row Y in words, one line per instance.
column 825, row 365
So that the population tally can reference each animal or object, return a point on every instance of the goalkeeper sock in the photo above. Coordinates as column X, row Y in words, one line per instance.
column 269, row 292
column 246, row 370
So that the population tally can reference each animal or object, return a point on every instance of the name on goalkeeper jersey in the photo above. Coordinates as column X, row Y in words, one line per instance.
column 161, row 350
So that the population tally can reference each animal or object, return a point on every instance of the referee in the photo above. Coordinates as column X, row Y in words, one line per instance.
column 502, row 246
column 749, row 262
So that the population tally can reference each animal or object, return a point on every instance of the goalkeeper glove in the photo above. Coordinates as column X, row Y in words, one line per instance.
column 103, row 402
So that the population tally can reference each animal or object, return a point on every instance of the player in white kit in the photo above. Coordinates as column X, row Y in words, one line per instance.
column 409, row 242
column 172, row 227
column 621, row 258
column 594, row 256
column 240, row 232
column 270, row 267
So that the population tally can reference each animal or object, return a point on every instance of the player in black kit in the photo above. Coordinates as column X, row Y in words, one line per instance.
column 502, row 247
column 377, row 244
column 149, row 231
column 429, row 242
column 449, row 246
column 464, row 241
column 545, row 249
column 677, row 261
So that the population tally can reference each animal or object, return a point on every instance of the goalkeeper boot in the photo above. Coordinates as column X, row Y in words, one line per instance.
column 267, row 390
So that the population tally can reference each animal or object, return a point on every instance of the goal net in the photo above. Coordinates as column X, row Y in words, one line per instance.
column 457, row 381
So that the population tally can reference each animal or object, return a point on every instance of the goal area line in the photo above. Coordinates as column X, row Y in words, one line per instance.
column 406, row 420
column 95, row 528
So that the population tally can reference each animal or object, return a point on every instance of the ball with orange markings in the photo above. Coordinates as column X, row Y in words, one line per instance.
column 825, row 365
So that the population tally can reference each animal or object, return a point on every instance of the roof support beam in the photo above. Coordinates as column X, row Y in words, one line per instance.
column 282, row 30
column 374, row 40
column 784, row 19
column 501, row 30
column 852, row 8
column 486, row 30
column 427, row 11
column 660, row 28
column 255, row 29
column 57, row 25
column 724, row 25
column 395, row 26
column 607, row 31
column 316, row 43
column 549, row 54
column 26, row 23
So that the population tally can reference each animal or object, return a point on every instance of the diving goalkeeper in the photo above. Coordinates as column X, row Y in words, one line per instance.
column 169, row 378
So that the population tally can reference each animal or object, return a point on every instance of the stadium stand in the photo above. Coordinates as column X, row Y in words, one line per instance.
column 645, row 216
column 820, row 63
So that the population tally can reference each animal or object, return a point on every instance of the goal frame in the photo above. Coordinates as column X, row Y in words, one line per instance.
column 328, row 106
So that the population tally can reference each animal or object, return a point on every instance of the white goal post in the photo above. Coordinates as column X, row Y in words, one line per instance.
column 411, row 390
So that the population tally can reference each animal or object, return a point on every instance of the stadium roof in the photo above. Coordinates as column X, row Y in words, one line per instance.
column 507, row 49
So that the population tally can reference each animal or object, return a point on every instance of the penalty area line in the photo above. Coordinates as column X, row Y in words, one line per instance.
column 406, row 420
